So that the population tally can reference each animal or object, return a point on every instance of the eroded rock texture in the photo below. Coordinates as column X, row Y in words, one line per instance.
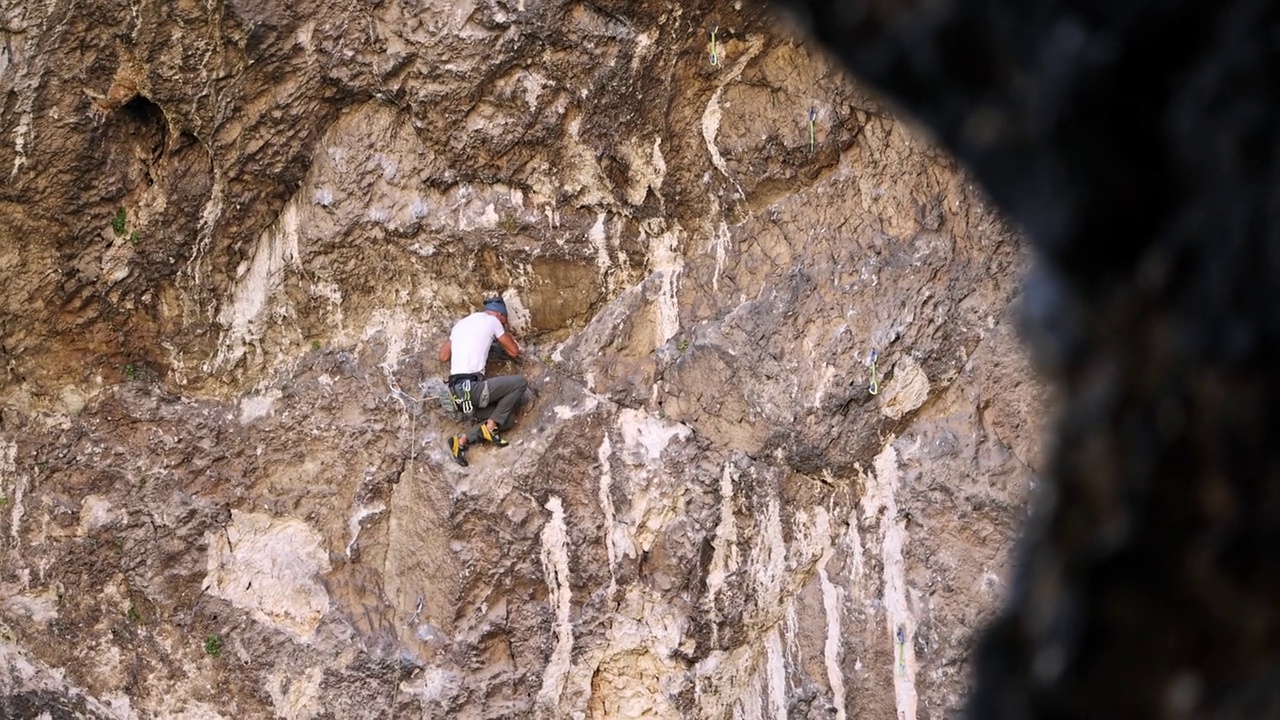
column 234, row 235
column 1139, row 144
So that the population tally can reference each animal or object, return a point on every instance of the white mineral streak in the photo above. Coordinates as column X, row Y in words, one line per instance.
column 724, row 556
column 711, row 115
column 356, row 523
column 644, row 48
column 645, row 436
column 667, row 260
column 269, row 566
column 253, row 407
column 555, row 566
column 831, row 606
column 770, row 557
column 769, row 561
column 23, row 129
column 590, row 402
column 39, row 608
column 880, row 500
column 852, row 544
column 96, row 513
column 25, row 87
column 776, row 673
column 13, row 486
column 596, row 236
column 210, row 214
column 277, row 249
column 720, row 243
column 606, row 506
column 398, row 330
column 582, row 176
column 751, row 704
column 659, row 168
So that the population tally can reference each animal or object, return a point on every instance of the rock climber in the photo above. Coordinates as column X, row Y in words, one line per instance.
column 491, row 400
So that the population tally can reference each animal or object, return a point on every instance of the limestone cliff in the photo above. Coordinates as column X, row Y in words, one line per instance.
column 233, row 236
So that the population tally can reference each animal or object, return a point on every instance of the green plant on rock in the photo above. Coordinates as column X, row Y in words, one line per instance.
column 133, row 237
column 315, row 345
column 119, row 222
column 213, row 645
column 133, row 614
column 131, row 372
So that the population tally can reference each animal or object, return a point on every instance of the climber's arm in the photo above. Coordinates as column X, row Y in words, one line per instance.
column 508, row 343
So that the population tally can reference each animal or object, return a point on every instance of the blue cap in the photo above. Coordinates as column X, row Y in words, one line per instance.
column 495, row 305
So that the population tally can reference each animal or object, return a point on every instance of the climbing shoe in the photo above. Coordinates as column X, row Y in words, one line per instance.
column 493, row 436
column 458, row 450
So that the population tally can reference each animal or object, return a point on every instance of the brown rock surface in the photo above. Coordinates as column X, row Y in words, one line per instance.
column 223, row 494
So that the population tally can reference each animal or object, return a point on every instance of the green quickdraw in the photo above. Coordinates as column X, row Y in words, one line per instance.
column 460, row 390
column 813, row 118
column 715, row 55
column 875, row 381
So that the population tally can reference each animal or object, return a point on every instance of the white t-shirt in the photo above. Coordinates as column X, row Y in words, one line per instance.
column 470, row 341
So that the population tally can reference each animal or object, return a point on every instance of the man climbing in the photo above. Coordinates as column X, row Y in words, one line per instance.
column 492, row 400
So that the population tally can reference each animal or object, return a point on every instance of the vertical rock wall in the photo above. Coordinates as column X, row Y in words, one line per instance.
column 234, row 235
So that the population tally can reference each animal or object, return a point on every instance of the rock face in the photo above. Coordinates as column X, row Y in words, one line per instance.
column 1147, row 174
column 234, row 236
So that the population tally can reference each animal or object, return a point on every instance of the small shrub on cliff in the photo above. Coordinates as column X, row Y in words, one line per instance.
column 119, row 221
column 213, row 645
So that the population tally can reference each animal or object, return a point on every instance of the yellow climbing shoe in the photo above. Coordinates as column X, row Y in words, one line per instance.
column 458, row 449
column 493, row 436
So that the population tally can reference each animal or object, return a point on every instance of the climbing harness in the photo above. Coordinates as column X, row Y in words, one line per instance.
column 813, row 117
column 460, row 387
column 715, row 57
column 875, row 381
